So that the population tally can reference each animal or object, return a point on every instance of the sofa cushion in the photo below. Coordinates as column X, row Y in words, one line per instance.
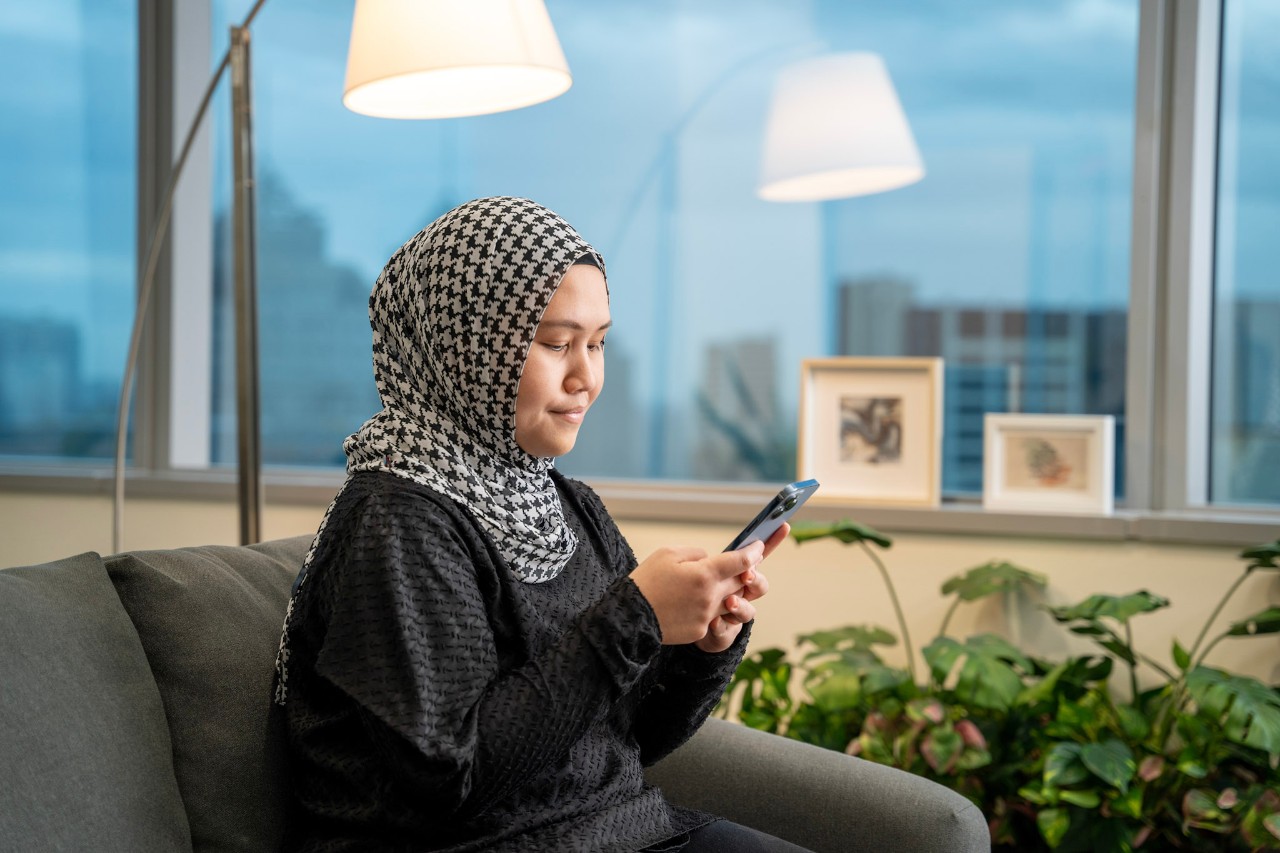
column 209, row 619
column 84, row 747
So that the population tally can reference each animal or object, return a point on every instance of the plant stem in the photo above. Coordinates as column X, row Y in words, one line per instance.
column 1178, row 694
column 1133, row 667
column 1156, row 665
column 1191, row 655
column 1209, row 647
column 897, row 608
column 946, row 620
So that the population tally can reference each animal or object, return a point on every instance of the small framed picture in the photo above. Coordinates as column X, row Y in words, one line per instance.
column 871, row 429
column 1049, row 463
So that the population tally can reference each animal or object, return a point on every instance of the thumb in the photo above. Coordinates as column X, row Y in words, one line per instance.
column 729, row 564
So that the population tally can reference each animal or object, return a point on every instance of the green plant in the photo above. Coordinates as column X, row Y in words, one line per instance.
column 1052, row 755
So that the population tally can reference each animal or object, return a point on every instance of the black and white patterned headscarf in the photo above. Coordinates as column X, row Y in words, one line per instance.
column 454, row 313
column 453, row 316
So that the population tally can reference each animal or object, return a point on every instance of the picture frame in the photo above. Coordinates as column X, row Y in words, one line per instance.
column 870, row 429
column 1049, row 463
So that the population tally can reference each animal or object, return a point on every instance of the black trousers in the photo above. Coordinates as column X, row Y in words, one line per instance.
column 723, row 836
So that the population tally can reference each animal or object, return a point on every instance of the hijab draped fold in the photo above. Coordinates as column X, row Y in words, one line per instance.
column 454, row 313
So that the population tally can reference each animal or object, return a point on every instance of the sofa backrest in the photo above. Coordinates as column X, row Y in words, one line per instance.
column 209, row 621
column 85, row 755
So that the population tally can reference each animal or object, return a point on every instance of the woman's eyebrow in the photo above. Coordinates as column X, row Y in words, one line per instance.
column 572, row 324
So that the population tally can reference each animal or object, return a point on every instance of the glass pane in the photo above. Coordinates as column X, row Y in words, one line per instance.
column 68, row 87
column 1246, row 370
column 1010, row 258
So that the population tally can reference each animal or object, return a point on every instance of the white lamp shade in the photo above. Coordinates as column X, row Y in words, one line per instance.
column 836, row 129
column 451, row 58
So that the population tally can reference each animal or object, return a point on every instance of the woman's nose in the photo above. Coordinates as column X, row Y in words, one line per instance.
column 582, row 373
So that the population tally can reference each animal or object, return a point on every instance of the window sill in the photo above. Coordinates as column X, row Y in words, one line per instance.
column 698, row 503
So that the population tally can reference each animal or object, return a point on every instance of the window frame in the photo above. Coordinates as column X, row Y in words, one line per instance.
column 1171, row 293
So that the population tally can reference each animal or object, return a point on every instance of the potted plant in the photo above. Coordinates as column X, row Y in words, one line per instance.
column 1055, row 757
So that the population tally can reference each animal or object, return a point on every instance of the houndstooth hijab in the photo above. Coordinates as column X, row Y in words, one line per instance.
column 454, row 313
column 453, row 316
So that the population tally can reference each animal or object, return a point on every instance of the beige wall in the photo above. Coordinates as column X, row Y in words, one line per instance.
column 814, row 586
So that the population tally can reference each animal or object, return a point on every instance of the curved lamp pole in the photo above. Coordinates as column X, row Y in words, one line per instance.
column 407, row 59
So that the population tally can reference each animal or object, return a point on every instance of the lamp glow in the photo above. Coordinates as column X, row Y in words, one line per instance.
column 836, row 129
column 452, row 58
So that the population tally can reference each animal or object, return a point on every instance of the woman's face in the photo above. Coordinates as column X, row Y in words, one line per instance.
column 564, row 371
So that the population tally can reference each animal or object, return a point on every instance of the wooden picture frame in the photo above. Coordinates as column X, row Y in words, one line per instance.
column 1049, row 463
column 871, row 429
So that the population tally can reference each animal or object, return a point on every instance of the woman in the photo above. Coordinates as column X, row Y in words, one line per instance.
column 472, row 658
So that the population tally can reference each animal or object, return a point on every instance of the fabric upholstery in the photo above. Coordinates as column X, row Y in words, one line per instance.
column 209, row 619
column 823, row 800
column 84, row 750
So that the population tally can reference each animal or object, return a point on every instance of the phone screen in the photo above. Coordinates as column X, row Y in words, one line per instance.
column 776, row 512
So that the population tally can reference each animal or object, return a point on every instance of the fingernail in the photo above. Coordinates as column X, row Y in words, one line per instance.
column 749, row 576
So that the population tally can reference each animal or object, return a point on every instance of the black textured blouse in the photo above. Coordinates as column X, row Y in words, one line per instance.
column 438, row 703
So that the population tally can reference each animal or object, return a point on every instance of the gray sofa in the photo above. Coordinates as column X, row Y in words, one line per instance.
column 133, row 717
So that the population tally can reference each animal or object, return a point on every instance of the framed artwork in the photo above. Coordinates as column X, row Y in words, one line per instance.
column 871, row 429
column 1049, row 463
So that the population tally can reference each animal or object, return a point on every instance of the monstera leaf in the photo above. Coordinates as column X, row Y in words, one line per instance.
column 1262, row 556
column 847, row 532
column 1263, row 622
column 1249, row 710
column 984, row 674
column 1121, row 608
column 989, row 578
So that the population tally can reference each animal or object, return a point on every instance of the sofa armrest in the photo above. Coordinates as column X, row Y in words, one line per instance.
column 814, row 797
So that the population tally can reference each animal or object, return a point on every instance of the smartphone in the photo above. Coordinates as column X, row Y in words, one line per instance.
column 776, row 512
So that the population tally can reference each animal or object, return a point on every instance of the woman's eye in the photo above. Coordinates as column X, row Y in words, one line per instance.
column 556, row 347
column 598, row 345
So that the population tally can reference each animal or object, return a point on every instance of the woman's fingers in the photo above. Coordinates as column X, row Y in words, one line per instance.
column 754, row 584
column 737, row 611
column 778, row 537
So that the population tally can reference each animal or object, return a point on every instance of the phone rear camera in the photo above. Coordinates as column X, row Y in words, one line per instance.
column 790, row 504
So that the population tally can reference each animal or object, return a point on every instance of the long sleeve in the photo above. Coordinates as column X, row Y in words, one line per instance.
column 405, row 592
column 685, row 683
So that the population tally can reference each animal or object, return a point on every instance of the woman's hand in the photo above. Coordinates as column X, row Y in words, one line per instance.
column 688, row 589
column 737, row 608
column 705, row 599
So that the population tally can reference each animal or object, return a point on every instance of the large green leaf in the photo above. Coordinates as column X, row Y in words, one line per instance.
column 1053, row 824
column 1263, row 622
column 941, row 655
column 837, row 691
column 992, row 577
column 985, row 677
column 1062, row 765
column 1262, row 556
column 846, row 531
column 1111, row 761
column 1121, row 608
column 1249, row 710
column 860, row 637
column 878, row 679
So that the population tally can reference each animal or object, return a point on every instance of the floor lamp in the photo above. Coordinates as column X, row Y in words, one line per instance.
column 407, row 59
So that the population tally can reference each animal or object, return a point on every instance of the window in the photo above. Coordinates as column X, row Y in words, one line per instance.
column 67, row 166
column 1062, row 252
column 1023, row 113
column 1245, row 450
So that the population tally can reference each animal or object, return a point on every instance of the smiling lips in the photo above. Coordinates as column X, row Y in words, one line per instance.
column 573, row 416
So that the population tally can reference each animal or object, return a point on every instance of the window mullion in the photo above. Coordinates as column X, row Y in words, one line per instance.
column 155, row 154
column 1145, row 333
column 1188, row 279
